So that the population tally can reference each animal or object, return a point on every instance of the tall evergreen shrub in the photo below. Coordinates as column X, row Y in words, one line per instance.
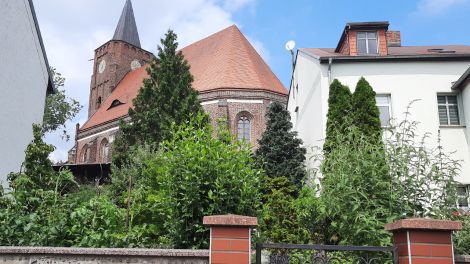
column 167, row 96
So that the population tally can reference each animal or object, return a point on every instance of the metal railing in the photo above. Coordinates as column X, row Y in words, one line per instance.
column 325, row 254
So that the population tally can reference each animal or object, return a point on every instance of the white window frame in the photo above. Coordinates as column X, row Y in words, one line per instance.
column 389, row 107
column 244, row 118
column 459, row 109
column 367, row 42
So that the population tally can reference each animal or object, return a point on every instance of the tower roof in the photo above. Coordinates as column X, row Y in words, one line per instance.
column 126, row 29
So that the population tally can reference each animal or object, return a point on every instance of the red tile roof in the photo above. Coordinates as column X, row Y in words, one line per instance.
column 224, row 60
column 417, row 51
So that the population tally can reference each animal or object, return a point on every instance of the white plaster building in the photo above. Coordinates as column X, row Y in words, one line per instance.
column 25, row 80
column 399, row 75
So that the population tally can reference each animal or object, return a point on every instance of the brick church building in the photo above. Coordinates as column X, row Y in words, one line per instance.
column 231, row 78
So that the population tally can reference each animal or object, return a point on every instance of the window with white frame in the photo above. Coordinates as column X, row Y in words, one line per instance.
column 463, row 196
column 367, row 42
column 244, row 128
column 448, row 110
column 383, row 103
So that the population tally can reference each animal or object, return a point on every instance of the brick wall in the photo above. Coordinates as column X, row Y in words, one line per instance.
column 227, row 104
column 393, row 38
column 118, row 56
column 424, row 241
column 349, row 46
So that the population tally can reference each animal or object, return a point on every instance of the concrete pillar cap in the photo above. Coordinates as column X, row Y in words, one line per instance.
column 230, row 220
column 423, row 224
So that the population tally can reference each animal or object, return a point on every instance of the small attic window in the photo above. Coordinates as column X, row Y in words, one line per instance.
column 439, row 50
column 367, row 42
column 115, row 103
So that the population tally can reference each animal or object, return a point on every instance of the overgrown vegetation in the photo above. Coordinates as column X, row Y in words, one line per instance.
column 172, row 169
column 369, row 180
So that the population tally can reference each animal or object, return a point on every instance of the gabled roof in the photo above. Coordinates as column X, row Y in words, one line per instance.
column 126, row 29
column 444, row 52
column 462, row 81
column 224, row 60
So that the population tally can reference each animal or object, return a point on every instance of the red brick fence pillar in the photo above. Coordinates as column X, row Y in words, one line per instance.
column 230, row 238
column 421, row 241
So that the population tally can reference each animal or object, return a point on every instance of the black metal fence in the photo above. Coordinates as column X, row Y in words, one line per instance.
column 324, row 254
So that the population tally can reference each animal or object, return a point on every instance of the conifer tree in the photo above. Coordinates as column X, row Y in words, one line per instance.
column 338, row 117
column 280, row 152
column 366, row 114
column 167, row 96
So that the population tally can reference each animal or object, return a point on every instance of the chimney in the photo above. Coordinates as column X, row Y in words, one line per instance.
column 393, row 39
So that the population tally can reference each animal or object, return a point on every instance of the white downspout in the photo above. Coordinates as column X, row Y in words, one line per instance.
column 330, row 62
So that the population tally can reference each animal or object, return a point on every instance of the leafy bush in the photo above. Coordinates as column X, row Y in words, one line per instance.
column 423, row 176
column 192, row 175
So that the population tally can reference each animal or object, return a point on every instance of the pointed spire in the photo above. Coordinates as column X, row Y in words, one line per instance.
column 126, row 29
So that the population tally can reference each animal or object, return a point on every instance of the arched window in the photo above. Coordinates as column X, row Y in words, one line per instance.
column 86, row 154
column 244, row 128
column 104, row 150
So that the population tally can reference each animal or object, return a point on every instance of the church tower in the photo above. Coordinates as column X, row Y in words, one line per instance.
column 114, row 59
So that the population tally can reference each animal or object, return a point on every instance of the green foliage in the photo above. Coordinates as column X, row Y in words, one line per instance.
column 282, row 156
column 280, row 220
column 462, row 237
column 365, row 113
column 423, row 176
column 33, row 213
column 280, row 151
column 370, row 183
column 191, row 175
column 166, row 97
column 356, row 193
column 338, row 116
column 59, row 108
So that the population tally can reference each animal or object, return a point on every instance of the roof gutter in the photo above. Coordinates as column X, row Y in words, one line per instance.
column 449, row 57
column 459, row 84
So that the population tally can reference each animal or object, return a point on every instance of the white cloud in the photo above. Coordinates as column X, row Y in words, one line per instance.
column 72, row 30
column 234, row 5
column 436, row 7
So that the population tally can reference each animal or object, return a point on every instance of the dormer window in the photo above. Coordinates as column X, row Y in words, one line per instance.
column 115, row 103
column 367, row 42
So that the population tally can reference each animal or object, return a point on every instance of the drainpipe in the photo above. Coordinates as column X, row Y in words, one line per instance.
column 330, row 62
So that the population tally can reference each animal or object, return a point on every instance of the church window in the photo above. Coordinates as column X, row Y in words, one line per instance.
column 244, row 128
column 86, row 154
column 104, row 150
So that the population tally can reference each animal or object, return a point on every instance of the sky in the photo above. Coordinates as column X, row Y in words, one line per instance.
column 72, row 30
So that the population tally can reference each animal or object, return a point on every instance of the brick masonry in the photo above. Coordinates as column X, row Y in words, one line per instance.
column 228, row 104
column 393, row 38
column 230, row 241
column 349, row 45
column 118, row 56
column 421, row 241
